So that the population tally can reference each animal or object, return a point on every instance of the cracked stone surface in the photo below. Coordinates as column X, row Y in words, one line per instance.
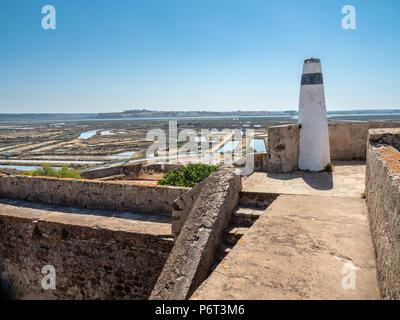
column 299, row 248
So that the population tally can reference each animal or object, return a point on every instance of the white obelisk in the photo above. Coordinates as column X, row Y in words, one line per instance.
column 314, row 152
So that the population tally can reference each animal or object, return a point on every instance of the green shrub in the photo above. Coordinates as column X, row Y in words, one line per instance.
column 29, row 173
column 329, row 168
column 187, row 176
column 48, row 171
column 251, row 150
column 65, row 172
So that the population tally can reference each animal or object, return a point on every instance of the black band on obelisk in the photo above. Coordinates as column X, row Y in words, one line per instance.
column 312, row 78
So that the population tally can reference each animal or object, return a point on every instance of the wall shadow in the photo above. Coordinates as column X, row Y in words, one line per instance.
column 94, row 212
column 6, row 287
column 6, row 291
column 322, row 180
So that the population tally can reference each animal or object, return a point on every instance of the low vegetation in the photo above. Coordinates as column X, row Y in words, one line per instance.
column 329, row 168
column 251, row 150
column 187, row 176
column 48, row 171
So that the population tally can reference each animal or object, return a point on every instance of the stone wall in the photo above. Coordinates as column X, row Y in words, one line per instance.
column 131, row 170
column 182, row 207
column 193, row 255
column 257, row 199
column 103, row 172
column 347, row 141
column 383, row 201
column 94, row 257
column 260, row 161
column 139, row 198
column 135, row 171
column 283, row 148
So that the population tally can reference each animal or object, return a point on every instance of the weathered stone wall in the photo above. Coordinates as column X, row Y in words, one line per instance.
column 260, row 161
column 182, row 207
column 140, row 198
column 256, row 199
column 194, row 252
column 131, row 170
column 383, row 201
column 103, row 172
column 348, row 140
column 134, row 171
column 94, row 257
column 283, row 148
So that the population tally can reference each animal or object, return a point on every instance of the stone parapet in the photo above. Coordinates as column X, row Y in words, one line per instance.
column 382, row 196
column 93, row 257
column 195, row 249
column 283, row 148
column 139, row 198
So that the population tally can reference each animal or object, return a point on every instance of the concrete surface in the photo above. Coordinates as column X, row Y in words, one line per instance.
column 347, row 180
column 123, row 221
column 160, row 223
column 298, row 249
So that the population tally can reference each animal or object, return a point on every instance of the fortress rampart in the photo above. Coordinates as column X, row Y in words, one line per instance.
column 382, row 194
column 95, row 257
column 103, row 257
column 135, row 197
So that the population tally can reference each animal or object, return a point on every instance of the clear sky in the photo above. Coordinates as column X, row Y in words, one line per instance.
column 220, row 55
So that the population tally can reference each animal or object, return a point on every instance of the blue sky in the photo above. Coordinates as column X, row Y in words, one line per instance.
column 215, row 55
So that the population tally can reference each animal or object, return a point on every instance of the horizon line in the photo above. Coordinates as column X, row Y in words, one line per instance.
column 230, row 111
